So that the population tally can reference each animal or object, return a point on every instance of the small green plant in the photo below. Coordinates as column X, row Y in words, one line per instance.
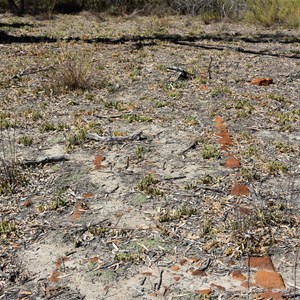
column 190, row 186
column 33, row 114
column 98, row 231
column 249, row 174
column 177, row 214
column 283, row 147
column 191, row 120
column 278, row 98
column 128, row 256
column 7, row 229
column 207, row 179
column 58, row 201
column 249, row 151
column 160, row 104
column 25, row 140
column 134, row 75
column 136, row 118
column 75, row 139
column 206, row 227
column 148, row 185
column 275, row 167
column 174, row 94
column 220, row 91
column 209, row 151
column 140, row 151
column 117, row 105
column 47, row 126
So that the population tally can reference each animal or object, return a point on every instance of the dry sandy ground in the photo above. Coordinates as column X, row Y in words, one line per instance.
column 150, row 202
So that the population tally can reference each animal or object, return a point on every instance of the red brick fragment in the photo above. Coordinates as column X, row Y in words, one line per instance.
column 261, row 263
column 240, row 190
column 219, row 287
column 218, row 119
column 204, row 292
column 237, row 275
column 182, row 261
column 269, row 280
column 271, row 295
column 262, row 81
column 54, row 276
column 174, row 268
column 232, row 163
column 198, row 273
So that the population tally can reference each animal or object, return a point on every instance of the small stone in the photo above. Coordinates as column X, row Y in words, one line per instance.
column 177, row 278
column 269, row 280
column 182, row 261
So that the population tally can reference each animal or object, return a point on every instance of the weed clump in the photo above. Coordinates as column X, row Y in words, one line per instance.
column 11, row 173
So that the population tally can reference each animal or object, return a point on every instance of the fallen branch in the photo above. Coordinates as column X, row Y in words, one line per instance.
column 32, row 71
column 183, row 74
column 44, row 160
column 119, row 139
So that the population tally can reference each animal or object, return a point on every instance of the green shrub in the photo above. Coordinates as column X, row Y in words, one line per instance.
column 274, row 12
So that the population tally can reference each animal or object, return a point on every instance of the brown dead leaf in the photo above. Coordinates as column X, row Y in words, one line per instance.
column 54, row 276
column 60, row 261
column 244, row 210
column 76, row 214
column 203, row 88
column 98, row 161
column 94, row 259
column 147, row 273
column 27, row 203
column 88, row 195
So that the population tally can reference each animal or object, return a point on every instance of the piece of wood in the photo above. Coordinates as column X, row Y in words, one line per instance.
column 44, row 160
column 96, row 137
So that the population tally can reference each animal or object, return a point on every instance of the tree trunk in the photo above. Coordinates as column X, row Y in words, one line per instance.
column 13, row 7
column 22, row 6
